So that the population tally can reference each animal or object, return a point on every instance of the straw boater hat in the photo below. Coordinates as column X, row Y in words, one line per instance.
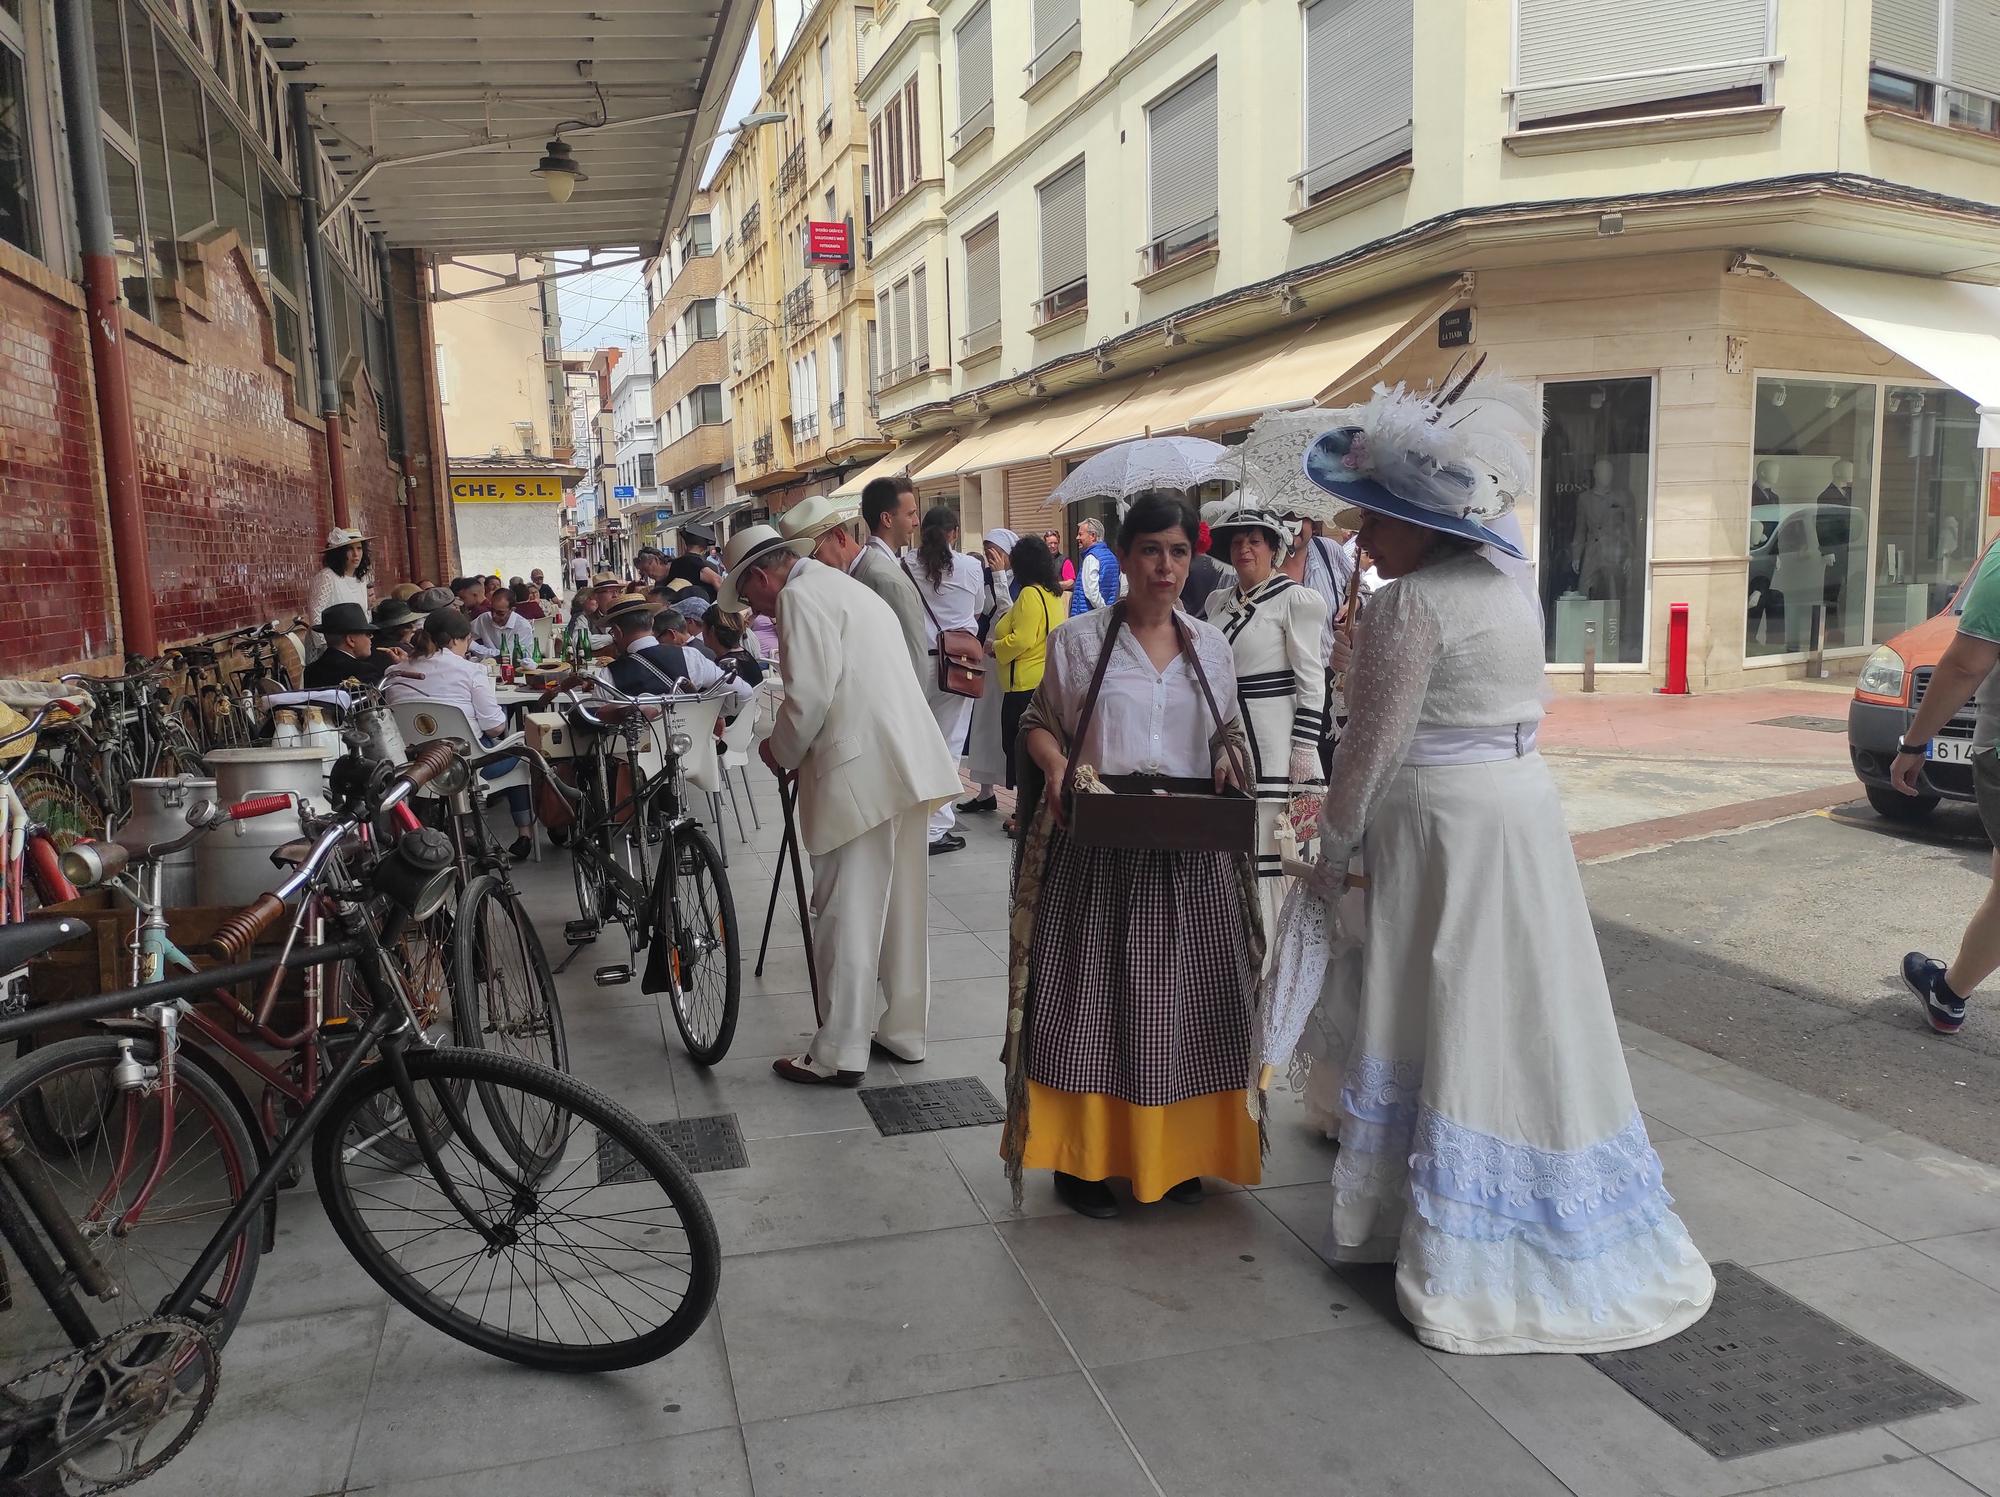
column 1449, row 459
column 745, row 547
column 631, row 609
column 814, row 517
column 341, row 536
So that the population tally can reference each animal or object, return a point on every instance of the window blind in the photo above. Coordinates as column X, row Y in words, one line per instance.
column 975, row 63
column 1563, row 40
column 1359, row 61
column 982, row 276
column 1064, row 241
column 1903, row 35
column 863, row 19
column 1052, row 19
column 1975, row 45
column 920, row 309
column 1181, row 164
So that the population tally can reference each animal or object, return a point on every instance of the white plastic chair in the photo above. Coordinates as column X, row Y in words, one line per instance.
column 422, row 722
column 545, row 637
column 736, row 741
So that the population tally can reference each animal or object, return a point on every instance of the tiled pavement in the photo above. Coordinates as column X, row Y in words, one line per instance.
column 887, row 1326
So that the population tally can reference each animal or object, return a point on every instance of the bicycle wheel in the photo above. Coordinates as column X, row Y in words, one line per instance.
column 696, row 915
column 605, row 1258
column 421, row 961
column 590, row 891
column 56, row 803
column 99, row 1178
column 503, row 993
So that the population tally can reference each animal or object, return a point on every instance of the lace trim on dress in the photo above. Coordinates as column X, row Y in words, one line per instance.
column 1379, row 1089
column 1602, row 1285
column 1565, row 1190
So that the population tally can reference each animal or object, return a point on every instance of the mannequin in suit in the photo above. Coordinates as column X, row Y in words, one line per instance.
column 870, row 766
column 1765, row 489
column 1603, row 546
column 1841, row 489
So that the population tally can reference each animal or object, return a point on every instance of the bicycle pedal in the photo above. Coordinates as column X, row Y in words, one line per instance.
column 580, row 932
column 614, row 976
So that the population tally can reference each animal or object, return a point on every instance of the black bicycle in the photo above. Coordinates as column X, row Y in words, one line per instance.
column 545, row 1224
column 642, row 862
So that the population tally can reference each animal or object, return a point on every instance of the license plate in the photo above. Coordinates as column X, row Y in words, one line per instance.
column 1949, row 751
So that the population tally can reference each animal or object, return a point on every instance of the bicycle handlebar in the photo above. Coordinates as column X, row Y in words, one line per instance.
column 259, row 805
column 236, row 935
column 67, row 705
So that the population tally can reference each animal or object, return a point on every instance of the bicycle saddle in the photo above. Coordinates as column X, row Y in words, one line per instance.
column 22, row 943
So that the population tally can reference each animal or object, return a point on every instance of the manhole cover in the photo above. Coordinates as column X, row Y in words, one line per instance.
column 703, row 1144
column 1762, row 1371
column 925, row 1106
column 1809, row 724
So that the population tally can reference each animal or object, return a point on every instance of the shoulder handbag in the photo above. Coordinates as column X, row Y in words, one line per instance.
column 961, row 658
column 1158, row 813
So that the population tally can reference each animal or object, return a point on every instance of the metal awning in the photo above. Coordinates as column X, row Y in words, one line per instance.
column 1948, row 329
column 436, row 112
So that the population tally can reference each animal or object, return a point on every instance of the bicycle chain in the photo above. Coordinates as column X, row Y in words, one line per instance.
column 84, row 1362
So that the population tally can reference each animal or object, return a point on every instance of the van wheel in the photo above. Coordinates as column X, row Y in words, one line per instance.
column 1900, row 807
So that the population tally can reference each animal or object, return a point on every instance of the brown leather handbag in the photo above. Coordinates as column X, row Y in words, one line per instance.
column 1159, row 813
column 961, row 658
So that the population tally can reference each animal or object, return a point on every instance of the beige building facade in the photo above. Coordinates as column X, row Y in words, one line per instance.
column 688, row 323
column 799, row 314
column 1733, row 243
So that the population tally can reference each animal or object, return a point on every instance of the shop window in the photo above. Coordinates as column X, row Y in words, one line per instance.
column 1597, row 480
column 232, row 196
column 107, row 37
column 1927, row 510
column 187, row 144
column 1810, row 508
column 17, row 174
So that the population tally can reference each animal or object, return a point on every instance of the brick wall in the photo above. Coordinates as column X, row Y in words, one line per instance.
column 56, row 591
column 372, row 481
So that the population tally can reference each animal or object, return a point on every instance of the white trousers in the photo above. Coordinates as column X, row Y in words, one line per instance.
column 954, row 716
column 871, row 943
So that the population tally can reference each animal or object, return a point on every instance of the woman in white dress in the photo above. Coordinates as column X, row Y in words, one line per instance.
column 1490, row 1143
column 985, row 760
column 951, row 585
column 342, row 576
column 1276, row 627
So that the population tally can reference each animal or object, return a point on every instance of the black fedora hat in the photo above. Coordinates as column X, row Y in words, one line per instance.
column 344, row 618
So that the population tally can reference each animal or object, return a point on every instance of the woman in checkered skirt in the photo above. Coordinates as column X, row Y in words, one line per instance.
column 1132, row 973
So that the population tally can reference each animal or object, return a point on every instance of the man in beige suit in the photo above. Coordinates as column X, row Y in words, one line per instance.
column 870, row 767
column 829, row 528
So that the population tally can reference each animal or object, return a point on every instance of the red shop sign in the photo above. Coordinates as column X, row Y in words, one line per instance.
column 827, row 244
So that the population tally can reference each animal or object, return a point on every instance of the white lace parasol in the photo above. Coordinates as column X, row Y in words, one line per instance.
column 1269, row 465
column 1133, row 468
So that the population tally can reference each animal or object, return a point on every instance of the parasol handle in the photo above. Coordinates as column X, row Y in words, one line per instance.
column 1351, row 608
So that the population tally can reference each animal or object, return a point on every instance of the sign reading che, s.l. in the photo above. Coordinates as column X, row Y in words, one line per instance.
column 531, row 489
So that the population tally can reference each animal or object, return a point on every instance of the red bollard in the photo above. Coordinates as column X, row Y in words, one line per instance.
column 1677, row 652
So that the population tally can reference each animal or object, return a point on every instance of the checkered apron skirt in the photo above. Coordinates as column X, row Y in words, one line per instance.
column 1143, row 989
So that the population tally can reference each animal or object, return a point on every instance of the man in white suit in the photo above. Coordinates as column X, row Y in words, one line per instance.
column 870, row 767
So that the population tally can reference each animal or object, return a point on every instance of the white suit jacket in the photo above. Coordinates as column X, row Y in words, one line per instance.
column 863, row 739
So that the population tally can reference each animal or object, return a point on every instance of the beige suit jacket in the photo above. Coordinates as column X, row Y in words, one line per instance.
column 863, row 740
column 892, row 585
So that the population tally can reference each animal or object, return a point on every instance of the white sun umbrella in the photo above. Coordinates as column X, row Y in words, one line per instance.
column 1270, row 464
column 1133, row 468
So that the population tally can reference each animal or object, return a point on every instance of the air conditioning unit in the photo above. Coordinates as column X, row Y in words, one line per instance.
column 552, row 348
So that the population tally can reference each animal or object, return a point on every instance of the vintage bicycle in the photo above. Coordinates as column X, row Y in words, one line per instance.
column 543, row 1224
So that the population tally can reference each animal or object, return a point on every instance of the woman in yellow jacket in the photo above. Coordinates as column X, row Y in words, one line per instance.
column 1021, row 638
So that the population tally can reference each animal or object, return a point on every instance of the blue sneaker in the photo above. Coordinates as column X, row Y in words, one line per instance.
column 1925, row 978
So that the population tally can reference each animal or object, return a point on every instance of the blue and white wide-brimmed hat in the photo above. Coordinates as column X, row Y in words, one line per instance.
column 1449, row 460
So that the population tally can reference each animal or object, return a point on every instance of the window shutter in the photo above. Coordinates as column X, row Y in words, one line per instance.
column 1904, row 36
column 1568, row 39
column 899, row 300
column 975, row 63
column 1063, row 234
column 916, row 139
column 862, row 20
column 1052, row 19
column 1182, row 169
column 982, row 276
column 1359, row 60
column 1975, row 45
column 920, row 305
column 836, row 368
column 875, row 149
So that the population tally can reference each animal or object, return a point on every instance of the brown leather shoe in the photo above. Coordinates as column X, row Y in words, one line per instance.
column 806, row 1072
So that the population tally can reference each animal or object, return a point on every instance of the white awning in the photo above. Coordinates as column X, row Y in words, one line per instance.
column 905, row 459
column 1948, row 329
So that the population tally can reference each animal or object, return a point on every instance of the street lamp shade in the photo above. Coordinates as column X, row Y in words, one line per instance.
column 559, row 171
column 762, row 117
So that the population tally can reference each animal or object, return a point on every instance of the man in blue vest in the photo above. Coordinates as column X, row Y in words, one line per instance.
column 1096, row 572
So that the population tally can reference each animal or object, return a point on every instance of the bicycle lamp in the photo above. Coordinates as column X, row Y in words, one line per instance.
column 90, row 864
column 420, row 874
column 680, row 741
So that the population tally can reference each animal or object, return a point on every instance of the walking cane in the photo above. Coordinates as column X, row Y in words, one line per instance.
column 789, row 848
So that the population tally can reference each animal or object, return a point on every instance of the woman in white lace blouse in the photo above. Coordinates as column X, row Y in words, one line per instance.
column 1490, row 1144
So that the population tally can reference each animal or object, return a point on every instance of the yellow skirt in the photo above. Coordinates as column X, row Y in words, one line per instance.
column 1096, row 1137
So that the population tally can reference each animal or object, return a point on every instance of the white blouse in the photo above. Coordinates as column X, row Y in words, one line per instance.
column 1147, row 721
column 954, row 602
column 328, row 588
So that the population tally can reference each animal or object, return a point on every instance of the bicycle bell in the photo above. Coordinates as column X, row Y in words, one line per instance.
column 420, row 873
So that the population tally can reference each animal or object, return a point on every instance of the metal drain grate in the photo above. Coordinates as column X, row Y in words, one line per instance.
column 703, row 1144
column 1809, row 724
column 926, row 1106
column 1762, row 1371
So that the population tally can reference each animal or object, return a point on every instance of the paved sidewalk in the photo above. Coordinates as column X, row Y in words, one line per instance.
column 887, row 1327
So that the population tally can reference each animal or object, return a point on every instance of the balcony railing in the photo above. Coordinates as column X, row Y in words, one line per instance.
column 750, row 228
column 903, row 373
column 729, row 248
column 1062, row 301
column 1066, row 45
column 797, row 313
column 973, row 125
column 826, row 122
column 760, row 451
column 836, row 412
column 758, row 347
column 792, row 171
column 805, row 428
column 980, row 340
column 1179, row 244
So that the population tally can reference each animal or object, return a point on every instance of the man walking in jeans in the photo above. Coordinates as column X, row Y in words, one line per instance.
column 1968, row 666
